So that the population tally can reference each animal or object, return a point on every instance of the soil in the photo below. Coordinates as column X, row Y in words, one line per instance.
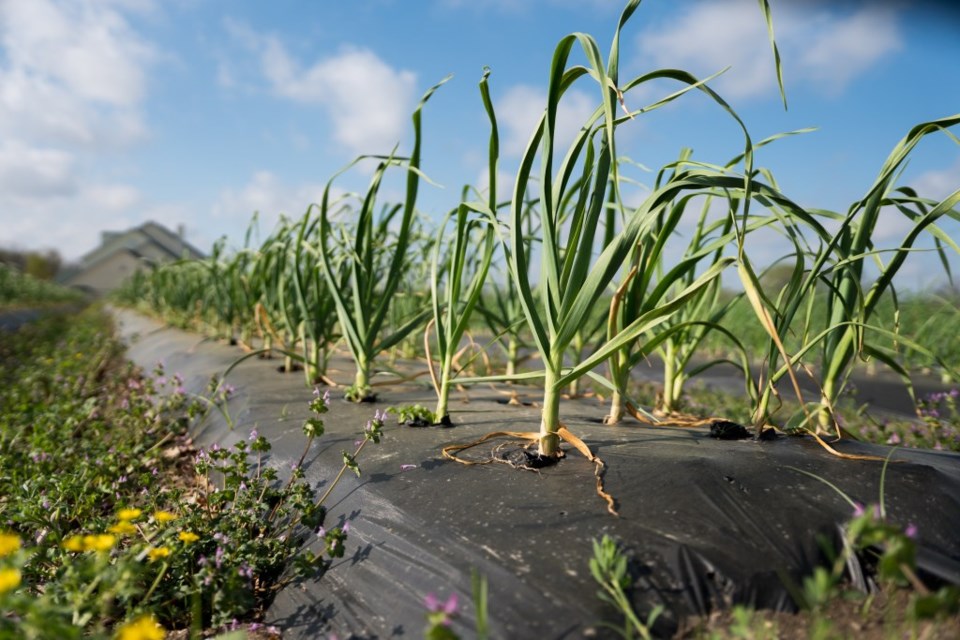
column 726, row 430
column 705, row 523
column 879, row 617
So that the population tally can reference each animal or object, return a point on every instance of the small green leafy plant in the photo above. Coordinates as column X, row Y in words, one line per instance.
column 888, row 548
column 609, row 568
column 97, row 553
column 415, row 415
column 442, row 613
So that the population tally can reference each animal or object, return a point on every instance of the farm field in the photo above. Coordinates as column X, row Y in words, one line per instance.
column 569, row 406
column 671, row 486
column 411, row 529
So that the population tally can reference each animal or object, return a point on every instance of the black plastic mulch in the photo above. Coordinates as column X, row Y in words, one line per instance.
column 706, row 522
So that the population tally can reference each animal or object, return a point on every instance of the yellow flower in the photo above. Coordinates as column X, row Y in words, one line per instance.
column 143, row 628
column 156, row 553
column 9, row 542
column 9, row 579
column 74, row 543
column 126, row 515
column 122, row 528
column 163, row 516
column 99, row 542
column 188, row 536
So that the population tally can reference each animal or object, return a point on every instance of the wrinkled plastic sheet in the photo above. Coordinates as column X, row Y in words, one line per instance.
column 706, row 523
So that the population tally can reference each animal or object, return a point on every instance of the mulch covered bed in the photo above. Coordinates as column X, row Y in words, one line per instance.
column 707, row 522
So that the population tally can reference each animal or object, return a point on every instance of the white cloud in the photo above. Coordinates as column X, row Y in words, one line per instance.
column 893, row 226
column 267, row 194
column 521, row 107
column 114, row 197
column 842, row 48
column 84, row 46
column 71, row 224
column 708, row 36
column 82, row 62
column 818, row 44
column 36, row 173
column 73, row 80
column 368, row 101
column 505, row 183
column 938, row 183
column 513, row 7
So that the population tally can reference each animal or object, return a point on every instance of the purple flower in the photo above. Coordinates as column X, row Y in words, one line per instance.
column 253, row 435
column 894, row 439
column 448, row 608
column 346, row 527
column 911, row 531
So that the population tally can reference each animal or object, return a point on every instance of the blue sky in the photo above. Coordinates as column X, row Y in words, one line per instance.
column 199, row 112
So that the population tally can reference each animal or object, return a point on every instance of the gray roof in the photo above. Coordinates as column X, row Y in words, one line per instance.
column 136, row 240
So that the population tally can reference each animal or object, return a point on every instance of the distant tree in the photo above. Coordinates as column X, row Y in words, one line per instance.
column 43, row 266
column 40, row 265
column 12, row 258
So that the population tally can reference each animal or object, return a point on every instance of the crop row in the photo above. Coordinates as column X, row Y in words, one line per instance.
column 573, row 271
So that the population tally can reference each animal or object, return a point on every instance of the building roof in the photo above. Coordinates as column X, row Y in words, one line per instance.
column 140, row 240
column 107, row 266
